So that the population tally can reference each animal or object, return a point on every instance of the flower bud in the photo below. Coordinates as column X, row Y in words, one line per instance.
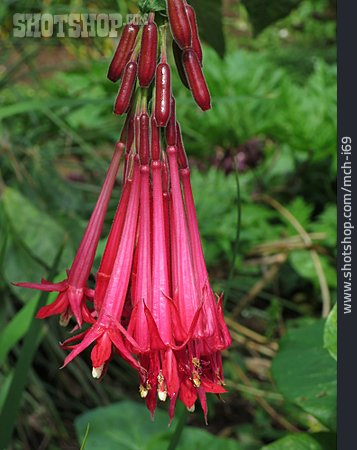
column 123, row 52
column 196, row 79
column 179, row 23
column 126, row 88
column 155, row 141
column 163, row 94
column 148, row 55
column 144, row 139
column 196, row 44
column 171, row 132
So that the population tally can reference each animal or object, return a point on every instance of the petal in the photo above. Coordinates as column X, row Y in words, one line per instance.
column 93, row 334
column 59, row 306
column 188, row 393
column 203, row 401
column 76, row 299
column 44, row 286
column 154, row 335
column 118, row 342
column 170, row 372
column 101, row 351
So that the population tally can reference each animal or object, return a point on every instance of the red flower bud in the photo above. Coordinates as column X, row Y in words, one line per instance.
column 178, row 60
column 171, row 132
column 163, row 94
column 179, row 23
column 144, row 147
column 123, row 52
column 126, row 88
column 196, row 44
column 155, row 140
column 196, row 79
column 148, row 55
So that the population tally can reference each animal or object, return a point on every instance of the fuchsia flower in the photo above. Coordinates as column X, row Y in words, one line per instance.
column 152, row 303
column 73, row 292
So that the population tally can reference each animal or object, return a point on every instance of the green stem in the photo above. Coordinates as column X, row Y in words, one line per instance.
column 236, row 242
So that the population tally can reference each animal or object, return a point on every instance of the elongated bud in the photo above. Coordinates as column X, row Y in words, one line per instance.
column 179, row 23
column 196, row 44
column 123, row 52
column 155, row 140
column 163, row 94
column 171, row 136
column 196, row 79
column 126, row 88
column 144, row 139
column 148, row 55
column 179, row 66
column 181, row 153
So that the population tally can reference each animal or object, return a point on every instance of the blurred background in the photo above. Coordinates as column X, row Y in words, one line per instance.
column 264, row 166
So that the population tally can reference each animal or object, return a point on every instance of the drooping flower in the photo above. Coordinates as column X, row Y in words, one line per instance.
column 107, row 331
column 73, row 291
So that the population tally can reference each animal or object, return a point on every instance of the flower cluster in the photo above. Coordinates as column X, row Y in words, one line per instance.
column 152, row 303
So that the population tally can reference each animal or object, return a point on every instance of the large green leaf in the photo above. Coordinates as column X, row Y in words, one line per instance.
column 306, row 374
column 330, row 333
column 37, row 231
column 304, row 441
column 127, row 425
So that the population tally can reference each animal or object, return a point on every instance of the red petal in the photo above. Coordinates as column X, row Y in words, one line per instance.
column 102, row 351
column 170, row 373
column 92, row 334
column 156, row 343
column 44, row 286
column 59, row 306
column 118, row 342
column 188, row 393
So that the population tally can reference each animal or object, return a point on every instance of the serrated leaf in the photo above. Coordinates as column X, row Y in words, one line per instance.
column 305, row 373
column 330, row 333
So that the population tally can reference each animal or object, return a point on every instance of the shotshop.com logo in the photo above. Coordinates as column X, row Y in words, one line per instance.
column 73, row 25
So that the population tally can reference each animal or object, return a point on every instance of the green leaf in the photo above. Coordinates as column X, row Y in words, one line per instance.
column 19, row 376
column 263, row 15
column 138, row 432
column 304, row 441
column 330, row 333
column 146, row 6
column 305, row 373
column 20, row 323
column 36, row 230
column 210, row 23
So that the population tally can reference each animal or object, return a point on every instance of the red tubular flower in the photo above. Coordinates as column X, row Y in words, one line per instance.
column 73, row 291
column 107, row 330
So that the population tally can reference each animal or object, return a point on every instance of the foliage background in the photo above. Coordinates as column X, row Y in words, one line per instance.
column 272, row 75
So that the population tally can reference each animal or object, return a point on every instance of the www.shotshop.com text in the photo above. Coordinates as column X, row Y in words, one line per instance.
column 348, row 227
